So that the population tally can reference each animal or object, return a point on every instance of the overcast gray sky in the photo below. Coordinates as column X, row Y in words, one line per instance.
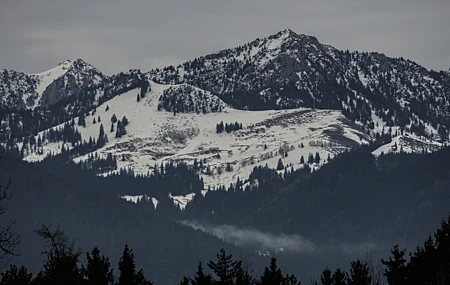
column 116, row 35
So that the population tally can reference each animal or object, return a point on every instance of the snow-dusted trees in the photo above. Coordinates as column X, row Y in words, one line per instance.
column 220, row 127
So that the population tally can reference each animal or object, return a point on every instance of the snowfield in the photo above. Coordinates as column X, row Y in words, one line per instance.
column 155, row 137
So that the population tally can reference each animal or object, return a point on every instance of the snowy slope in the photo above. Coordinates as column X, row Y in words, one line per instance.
column 46, row 78
column 154, row 137
column 408, row 143
column 159, row 136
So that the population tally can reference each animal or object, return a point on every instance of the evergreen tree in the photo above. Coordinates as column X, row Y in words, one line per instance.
column 326, row 277
column 99, row 119
column 16, row 276
column 98, row 269
column 113, row 118
column 93, row 121
column 39, row 141
column 200, row 277
column 225, row 268
column 101, row 141
column 396, row 267
column 310, row 158
column 317, row 158
column 302, row 160
column 107, row 108
column 339, row 277
column 124, row 121
column 82, row 120
column 272, row 275
column 280, row 165
column 138, row 98
column 359, row 274
column 127, row 268
column 112, row 128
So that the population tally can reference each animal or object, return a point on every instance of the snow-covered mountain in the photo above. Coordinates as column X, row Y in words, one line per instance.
column 29, row 91
column 288, row 70
column 156, row 136
column 281, row 97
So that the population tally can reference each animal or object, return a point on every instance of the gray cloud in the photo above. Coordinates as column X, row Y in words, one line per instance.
column 116, row 35
column 271, row 241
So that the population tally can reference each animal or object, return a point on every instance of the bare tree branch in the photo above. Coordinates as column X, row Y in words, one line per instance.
column 9, row 240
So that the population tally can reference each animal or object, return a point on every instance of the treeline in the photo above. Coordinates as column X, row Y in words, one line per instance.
column 98, row 164
column 228, row 127
column 429, row 265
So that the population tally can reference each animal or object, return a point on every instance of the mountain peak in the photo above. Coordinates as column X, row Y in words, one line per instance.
column 287, row 32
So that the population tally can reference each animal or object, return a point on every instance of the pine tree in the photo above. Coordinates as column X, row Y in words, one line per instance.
column 98, row 269
column 200, row 277
column 326, row 277
column 124, row 121
column 359, row 274
column 272, row 275
column 82, row 120
column 339, row 277
column 225, row 268
column 14, row 275
column 101, row 137
column 112, row 128
column 138, row 98
column 317, row 158
column 99, row 119
column 310, row 158
column 280, row 165
column 127, row 268
column 93, row 121
column 107, row 108
column 302, row 160
column 113, row 118
column 396, row 267
column 39, row 141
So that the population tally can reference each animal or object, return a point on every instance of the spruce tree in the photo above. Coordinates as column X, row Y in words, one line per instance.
column 225, row 268
column 396, row 267
column 15, row 275
column 98, row 269
column 339, row 277
column 272, row 275
column 280, row 165
column 302, row 160
column 124, row 121
column 310, row 158
column 317, row 158
column 138, row 98
column 82, row 120
column 127, row 269
column 200, row 277
column 326, row 277
column 113, row 118
column 359, row 273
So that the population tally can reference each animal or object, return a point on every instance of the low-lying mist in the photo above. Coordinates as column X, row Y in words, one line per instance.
column 278, row 241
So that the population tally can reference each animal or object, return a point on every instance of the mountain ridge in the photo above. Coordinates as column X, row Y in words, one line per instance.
column 282, row 71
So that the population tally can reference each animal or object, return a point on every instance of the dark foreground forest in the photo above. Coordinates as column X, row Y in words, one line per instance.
column 400, row 198
column 428, row 264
